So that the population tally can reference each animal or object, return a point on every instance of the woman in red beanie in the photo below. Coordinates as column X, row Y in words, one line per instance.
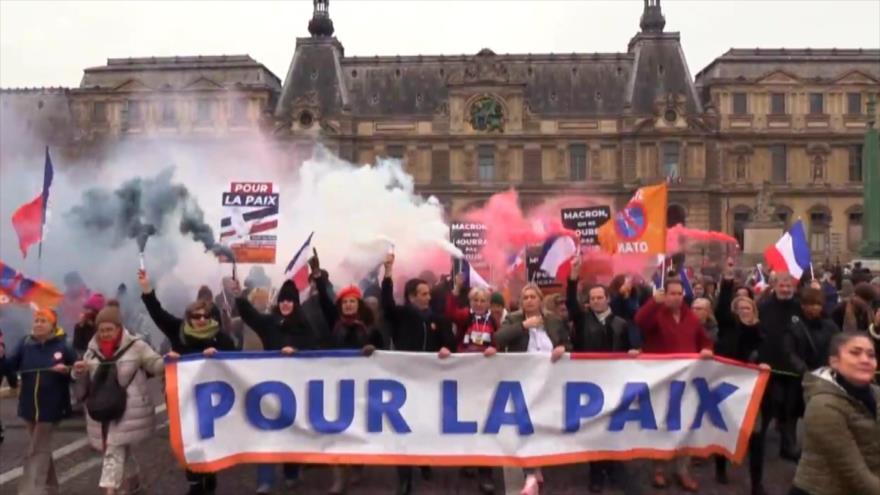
column 352, row 326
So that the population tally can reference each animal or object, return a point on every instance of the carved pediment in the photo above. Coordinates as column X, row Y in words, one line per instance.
column 203, row 83
column 818, row 149
column 742, row 149
column 778, row 77
column 133, row 85
column 856, row 77
column 485, row 68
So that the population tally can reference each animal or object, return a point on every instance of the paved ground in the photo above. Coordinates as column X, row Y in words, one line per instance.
column 79, row 470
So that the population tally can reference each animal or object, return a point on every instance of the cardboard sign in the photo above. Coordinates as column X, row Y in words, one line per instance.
column 250, row 221
column 586, row 222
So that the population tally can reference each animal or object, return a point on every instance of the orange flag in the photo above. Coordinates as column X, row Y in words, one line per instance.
column 640, row 227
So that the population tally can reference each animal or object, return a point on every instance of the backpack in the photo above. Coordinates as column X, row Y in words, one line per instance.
column 106, row 399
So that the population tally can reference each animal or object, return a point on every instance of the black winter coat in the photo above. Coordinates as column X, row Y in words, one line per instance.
column 806, row 343
column 776, row 314
column 588, row 334
column 277, row 331
column 345, row 335
column 172, row 327
column 410, row 331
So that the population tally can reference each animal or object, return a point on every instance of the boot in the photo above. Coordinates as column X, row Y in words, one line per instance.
column 340, row 480
column 487, row 483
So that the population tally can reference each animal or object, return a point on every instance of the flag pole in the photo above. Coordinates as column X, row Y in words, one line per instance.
column 45, row 201
column 812, row 275
column 663, row 273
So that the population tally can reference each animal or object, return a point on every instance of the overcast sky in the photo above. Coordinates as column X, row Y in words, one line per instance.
column 47, row 43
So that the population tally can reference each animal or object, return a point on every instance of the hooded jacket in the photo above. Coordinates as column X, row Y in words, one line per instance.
column 172, row 327
column 132, row 368
column 411, row 330
column 276, row 330
column 44, row 396
column 841, row 452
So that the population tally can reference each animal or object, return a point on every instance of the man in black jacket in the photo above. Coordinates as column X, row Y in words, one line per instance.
column 414, row 327
column 783, row 391
column 597, row 330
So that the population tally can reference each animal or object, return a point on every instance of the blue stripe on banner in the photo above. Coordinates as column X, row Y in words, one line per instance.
column 227, row 355
column 799, row 245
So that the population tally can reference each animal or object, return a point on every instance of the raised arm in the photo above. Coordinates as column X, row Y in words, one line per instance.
column 330, row 311
column 167, row 323
column 646, row 317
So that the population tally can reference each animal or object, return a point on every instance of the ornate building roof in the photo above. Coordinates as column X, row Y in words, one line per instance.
column 577, row 84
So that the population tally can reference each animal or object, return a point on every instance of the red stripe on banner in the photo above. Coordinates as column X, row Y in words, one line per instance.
column 459, row 460
column 176, row 438
column 172, row 401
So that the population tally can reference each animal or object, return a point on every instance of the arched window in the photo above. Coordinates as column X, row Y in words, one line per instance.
column 818, row 168
column 819, row 227
column 741, row 168
column 854, row 228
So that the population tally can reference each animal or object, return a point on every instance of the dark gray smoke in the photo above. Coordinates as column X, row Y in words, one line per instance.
column 141, row 208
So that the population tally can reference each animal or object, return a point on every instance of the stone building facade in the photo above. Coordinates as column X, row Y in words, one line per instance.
column 468, row 126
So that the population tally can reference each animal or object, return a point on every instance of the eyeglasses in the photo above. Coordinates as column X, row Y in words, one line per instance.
column 199, row 316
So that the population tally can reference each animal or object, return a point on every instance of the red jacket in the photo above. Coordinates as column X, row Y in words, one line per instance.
column 472, row 333
column 663, row 335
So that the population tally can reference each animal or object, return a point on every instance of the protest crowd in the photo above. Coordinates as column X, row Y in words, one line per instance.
column 819, row 337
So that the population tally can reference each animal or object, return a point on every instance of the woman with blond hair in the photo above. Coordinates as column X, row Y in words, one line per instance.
column 741, row 337
column 533, row 330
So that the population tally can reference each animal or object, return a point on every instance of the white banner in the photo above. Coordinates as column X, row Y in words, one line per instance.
column 408, row 408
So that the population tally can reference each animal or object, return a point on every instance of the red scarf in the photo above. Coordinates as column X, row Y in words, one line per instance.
column 109, row 347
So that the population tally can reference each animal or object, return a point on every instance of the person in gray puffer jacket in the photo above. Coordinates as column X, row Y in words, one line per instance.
column 135, row 359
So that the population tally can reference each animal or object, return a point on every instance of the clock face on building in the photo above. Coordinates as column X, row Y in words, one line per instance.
column 487, row 115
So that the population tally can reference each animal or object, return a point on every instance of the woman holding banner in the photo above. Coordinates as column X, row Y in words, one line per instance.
column 841, row 454
column 284, row 328
column 741, row 337
column 475, row 330
column 197, row 332
column 533, row 330
column 352, row 326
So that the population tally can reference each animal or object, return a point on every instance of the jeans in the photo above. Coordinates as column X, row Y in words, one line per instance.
column 39, row 476
column 266, row 473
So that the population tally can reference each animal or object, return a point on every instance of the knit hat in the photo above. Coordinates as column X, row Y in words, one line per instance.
column 110, row 314
column 350, row 291
column 288, row 292
column 48, row 314
column 496, row 299
column 95, row 302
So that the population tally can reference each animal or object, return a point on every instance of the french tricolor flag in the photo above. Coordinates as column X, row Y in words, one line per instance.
column 298, row 268
column 791, row 253
column 472, row 276
column 760, row 282
column 556, row 256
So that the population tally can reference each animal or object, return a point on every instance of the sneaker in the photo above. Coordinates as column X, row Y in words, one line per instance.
column 291, row 484
column 264, row 489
